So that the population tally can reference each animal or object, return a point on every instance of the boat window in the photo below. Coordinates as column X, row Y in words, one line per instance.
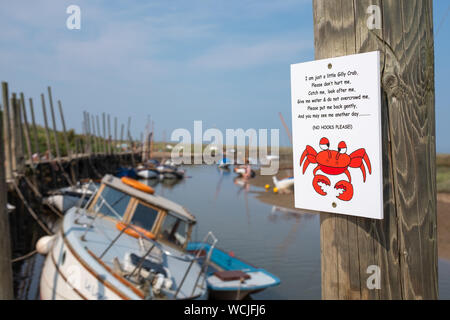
column 174, row 230
column 144, row 216
column 115, row 199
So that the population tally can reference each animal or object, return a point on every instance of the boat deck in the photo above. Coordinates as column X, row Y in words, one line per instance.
column 99, row 237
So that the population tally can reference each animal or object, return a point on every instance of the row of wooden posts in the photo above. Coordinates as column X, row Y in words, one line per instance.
column 27, row 174
column 17, row 131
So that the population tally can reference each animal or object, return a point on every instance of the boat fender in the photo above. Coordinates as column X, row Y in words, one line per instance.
column 136, row 231
column 168, row 283
column 158, row 283
column 44, row 244
column 137, row 185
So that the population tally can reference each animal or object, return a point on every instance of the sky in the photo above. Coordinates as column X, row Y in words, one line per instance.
column 226, row 63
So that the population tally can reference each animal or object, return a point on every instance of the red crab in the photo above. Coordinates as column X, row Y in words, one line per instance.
column 334, row 162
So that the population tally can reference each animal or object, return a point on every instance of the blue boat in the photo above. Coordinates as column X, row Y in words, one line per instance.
column 224, row 163
column 229, row 277
column 126, row 172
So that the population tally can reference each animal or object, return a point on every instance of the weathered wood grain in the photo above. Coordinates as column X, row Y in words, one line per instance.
column 63, row 122
column 55, row 130
column 403, row 245
column 115, row 135
column 26, row 127
column 6, row 275
column 35, row 132
column 47, row 132
column 18, row 159
column 109, row 134
column 105, row 144
column 7, row 131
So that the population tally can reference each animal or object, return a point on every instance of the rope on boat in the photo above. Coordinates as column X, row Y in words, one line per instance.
column 26, row 256
column 30, row 210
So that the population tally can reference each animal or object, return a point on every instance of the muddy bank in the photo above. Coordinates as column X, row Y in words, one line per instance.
column 443, row 212
column 287, row 200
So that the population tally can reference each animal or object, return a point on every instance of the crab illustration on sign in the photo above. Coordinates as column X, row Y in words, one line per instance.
column 335, row 162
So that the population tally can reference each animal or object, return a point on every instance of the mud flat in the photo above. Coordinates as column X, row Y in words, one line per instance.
column 443, row 211
column 287, row 200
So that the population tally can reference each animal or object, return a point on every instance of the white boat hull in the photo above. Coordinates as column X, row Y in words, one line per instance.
column 284, row 184
column 148, row 174
column 64, row 202
column 68, row 279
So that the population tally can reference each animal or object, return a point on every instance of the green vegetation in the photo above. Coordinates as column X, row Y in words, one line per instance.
column 443, row 172
column 72, row 137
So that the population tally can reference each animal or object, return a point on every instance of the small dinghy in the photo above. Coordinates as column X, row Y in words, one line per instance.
column 126, row 243
column 65, row 198
column 170, row 172
column 126, row 172
column 228, row 277
column 10, row 208
column 242, row 169
column 170, row 162
column 283, row 184
column 224, row 163
column 148, row 174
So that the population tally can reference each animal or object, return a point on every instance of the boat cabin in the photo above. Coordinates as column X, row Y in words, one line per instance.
column 135, row 207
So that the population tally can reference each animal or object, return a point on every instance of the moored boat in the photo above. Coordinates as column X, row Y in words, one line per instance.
column 283, row 184
column 65, row 198
column 148, row 174
column 126, row 243
column 224, row 163
column 229, row 277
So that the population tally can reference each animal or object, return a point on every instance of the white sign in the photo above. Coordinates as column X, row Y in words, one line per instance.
column 336, row 122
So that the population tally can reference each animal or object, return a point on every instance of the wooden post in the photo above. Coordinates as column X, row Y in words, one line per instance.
column 121, row 135
column 7, row 131
column 27, row 128
column 84, row 128
column 18, row 159
column 36, row 138
column 115, row 135
column 128, row 130
column 133, row 162
column 47, row 134
column 104, row 133
column 99, row 135
column 151, row 140
column 88, row 131
column 55, row 130
column 403, row 245
column 145, row 140
column 6, row 275
column 63, row 122
column 109, row 134
column 94, row 133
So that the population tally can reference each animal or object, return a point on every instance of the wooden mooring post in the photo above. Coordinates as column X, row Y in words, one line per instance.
column 403, row 246
column 6, row 140
column 6, row 275
column 63, row 122
column 17, row 150
column 55, row 129
column 48, row 153
column 26, row 130
column 35, row 132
